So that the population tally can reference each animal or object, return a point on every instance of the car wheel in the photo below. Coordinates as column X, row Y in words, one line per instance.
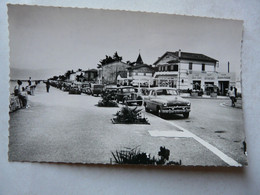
column 186, row 115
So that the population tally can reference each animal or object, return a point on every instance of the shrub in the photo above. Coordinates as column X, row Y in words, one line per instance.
column 135, row 156
column 129, row 116
column 107, row 100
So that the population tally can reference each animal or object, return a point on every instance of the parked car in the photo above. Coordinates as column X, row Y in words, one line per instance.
column 112, row 90
column 96, row 89
column 166, row 100
column 128, row 95
column 75, row 90
column 86, row 89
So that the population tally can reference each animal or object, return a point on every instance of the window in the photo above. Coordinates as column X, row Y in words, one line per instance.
column 144, row 73
column 136, row 73
column 175, row 67
column 203, row 67
column 190, row 66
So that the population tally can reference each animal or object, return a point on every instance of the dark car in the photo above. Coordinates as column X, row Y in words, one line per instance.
column 166, row 100
column 96, row 89
column 112, row 90
column 75, row 90
column 128, row 95
column 85, row 88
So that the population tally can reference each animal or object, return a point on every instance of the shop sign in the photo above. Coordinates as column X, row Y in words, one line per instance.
column 209, row 78
column 223, row 77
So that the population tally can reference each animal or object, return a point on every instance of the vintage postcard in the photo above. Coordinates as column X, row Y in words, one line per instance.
column 119, row 87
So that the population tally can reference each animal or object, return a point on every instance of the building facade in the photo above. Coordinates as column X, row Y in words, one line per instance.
column 185, row 70
column 140, row 73
column 108, row 73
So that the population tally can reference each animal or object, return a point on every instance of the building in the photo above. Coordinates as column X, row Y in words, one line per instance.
column 90, row 75
column 108, row 73
column 140, row 73
column 185, row 70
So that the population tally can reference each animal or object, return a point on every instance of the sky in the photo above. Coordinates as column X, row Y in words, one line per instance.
column 52, row 40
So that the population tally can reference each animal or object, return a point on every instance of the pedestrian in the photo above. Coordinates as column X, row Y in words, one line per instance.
column 21, row 94
column 47, row 86
column 232, row 96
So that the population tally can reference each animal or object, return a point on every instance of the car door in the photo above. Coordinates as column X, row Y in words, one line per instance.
column 150, row 103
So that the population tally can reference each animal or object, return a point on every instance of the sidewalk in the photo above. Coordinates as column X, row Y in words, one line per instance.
column 238, row 104
column 186, row 95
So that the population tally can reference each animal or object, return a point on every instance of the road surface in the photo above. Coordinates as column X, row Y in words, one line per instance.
column 58, row 127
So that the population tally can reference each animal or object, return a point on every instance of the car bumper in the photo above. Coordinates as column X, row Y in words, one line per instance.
column 172, row 111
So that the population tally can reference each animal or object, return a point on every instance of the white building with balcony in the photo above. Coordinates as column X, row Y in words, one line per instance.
column 185, row 70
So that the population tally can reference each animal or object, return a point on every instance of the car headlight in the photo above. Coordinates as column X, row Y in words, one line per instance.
column 189, row 104
column 164, row 104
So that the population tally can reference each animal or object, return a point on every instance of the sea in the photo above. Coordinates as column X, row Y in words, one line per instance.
column 24, row 74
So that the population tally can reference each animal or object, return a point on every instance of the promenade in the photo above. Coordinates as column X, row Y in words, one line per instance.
column 58, row 127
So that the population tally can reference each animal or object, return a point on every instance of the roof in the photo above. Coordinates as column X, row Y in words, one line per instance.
column 139, row 59
column 140, row 66
column 188, row 56
column 91, row 70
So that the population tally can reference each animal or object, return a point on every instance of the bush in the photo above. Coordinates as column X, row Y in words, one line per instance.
column 135, row 156
column 129, row 116
column 107, row 100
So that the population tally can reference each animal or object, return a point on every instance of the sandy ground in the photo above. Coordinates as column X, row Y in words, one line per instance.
column 70, row 128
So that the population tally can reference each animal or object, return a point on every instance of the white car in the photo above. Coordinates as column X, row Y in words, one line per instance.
column 166, row 100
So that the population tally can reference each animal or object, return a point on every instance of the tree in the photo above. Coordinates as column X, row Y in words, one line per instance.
column 109, row 60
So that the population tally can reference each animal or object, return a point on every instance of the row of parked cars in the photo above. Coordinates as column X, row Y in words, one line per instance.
column 161, row 100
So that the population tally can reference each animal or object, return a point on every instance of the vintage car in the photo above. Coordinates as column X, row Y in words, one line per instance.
column 96, row 89
column 112, row 90
column 75, row 90
column 166, row 100
column 128, row 95
column 85, row 88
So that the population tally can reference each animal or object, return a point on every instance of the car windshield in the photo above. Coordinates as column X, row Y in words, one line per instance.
column 131, row 90
column 167, row 92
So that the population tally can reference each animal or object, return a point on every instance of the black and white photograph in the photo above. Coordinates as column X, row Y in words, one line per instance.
column 96, row 86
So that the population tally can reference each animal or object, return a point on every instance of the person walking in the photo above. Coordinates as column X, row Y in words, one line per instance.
column 232, row 96
column 47, row 86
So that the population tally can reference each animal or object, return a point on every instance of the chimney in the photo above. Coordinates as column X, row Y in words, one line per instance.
column 179, row 53
column 228, row 67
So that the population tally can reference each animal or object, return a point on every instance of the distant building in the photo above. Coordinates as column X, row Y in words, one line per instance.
column 185, row 70
column 90, row 75
column 140, row 73
column 108, row 73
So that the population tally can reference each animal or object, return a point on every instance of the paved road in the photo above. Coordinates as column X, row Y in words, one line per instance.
column 69, row 128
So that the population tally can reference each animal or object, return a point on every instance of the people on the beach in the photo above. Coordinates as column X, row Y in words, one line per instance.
column 21, row 94
column 232, row 95
column 47, row 86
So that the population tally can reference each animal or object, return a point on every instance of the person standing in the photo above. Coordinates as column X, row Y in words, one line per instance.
column 232, row 96
column 23, row 99
column 47, row 86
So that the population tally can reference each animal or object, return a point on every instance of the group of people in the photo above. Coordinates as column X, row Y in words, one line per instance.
column 23, row 92
column 232, row 93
